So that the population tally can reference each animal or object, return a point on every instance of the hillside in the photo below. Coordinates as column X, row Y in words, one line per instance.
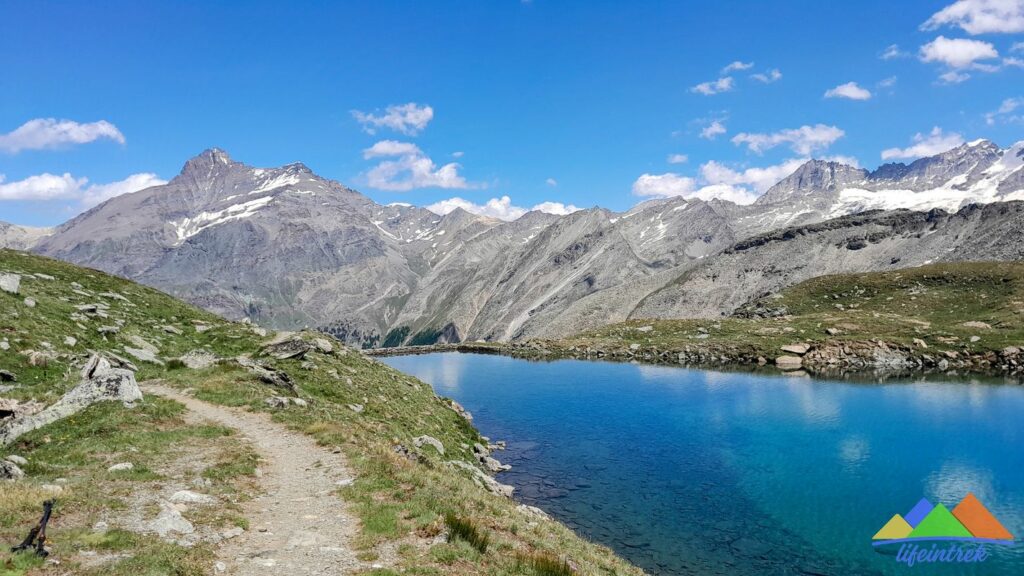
column 966, row 317
column 109, row 515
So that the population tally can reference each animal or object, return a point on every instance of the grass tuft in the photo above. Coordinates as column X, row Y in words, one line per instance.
column 466, row 530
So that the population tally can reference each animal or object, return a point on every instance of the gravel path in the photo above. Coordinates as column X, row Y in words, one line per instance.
column 297, row 525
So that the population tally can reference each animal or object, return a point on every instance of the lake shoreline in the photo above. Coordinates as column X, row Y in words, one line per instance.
column 872, row 359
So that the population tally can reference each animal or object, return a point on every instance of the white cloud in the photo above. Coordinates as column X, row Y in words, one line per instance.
column 410, row 169
column 714, row 87
column 1014, row 62
column 760, row 179
column 935, row 142
column 409, row 119
column 980, row 16
column 1017, row 47
column 954, row 77
column 849, row 90
column 892, row 51
column 99, row 193
column 47, row 186
column 887, row 82
column 677, row 159
column 803, row 140
column 737, row 66
column 1005, row 112
column 715, row 128
column 48, row 133
column 957, row 52
column 551, row 182
column 716, row 180
column 768, row 77
column 458, row 154
column 501, row 208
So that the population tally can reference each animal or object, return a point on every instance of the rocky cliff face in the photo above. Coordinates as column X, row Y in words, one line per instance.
column 287, row 248
column 20, row 237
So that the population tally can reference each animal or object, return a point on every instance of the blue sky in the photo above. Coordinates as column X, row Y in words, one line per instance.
column 581, row 103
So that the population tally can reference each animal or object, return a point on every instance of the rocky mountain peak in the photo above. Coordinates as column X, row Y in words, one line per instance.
column 813, row 177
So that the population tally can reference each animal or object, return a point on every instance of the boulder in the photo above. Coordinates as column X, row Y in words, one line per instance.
column 798, row 349
column 10, row 283
column 143, row 355
column 419, row 441
column 190, row 497
column 17, row 460
column 789, row 362
column 977, row 324
column 170, row 520
column 323, row 345
column 10, row 471
column 100, row 383
column 482, row 479
column 289, row 347
column 172, row 330
column 198, row 359
column 121, row 467
column 266, row 374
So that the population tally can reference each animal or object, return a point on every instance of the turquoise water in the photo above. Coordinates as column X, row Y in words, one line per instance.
column 690, row 472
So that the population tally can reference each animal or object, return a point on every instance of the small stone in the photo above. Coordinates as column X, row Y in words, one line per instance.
column 232, row 533
column 10, row 471
column 52, row 488
column 190, row 497
column 357, row 408
column 798, row 349
column 104, row 330
column 70, row 341
column 5, row 345
column 345, row 482
column 172, row 330
column 977, row 324
column 219, row 567
column 170, row 520
column 1011, row 351
column 121, row 467
column 920, row 343
column 975, row 339
column 323, row 345
column 832, row 331
column 100, row 527
column 30, row 302
column 17, row 460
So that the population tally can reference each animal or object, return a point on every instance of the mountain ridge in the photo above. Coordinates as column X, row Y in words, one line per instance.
column 288, row 248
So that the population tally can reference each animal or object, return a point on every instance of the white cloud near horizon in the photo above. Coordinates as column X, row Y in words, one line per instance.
column 768, row 77
column 715, row 128
column 713, row 87
column 46, row 186
column 850, row 91
column 410, row 168
column 500, row 208
column 804, row 140
column 980, row 17
column 935, row 142
column 717, row 180
column 737, row 65
column 409, row 119
column 50, row 133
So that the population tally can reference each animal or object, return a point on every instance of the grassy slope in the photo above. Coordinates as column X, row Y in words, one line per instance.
column 930, row 303
column 397, row 500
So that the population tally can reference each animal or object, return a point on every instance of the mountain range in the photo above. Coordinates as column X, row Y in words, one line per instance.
column 287, row 248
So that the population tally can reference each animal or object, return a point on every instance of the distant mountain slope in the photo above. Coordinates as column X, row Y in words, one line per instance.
column 287, row 248
column 20, row 237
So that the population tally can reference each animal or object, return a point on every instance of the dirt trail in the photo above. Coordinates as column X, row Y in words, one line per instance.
column 297, row 526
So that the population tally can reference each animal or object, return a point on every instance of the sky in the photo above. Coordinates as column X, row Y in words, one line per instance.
column 498, row 106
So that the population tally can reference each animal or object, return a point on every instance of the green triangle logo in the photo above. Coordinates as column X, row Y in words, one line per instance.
column 940, row 523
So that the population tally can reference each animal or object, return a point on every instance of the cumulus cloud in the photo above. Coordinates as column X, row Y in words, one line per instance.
column 850, row 90
column 677, row 159
column 47, row 186
column 935, row 142
column 737, row 66
column 409, row 119
column 409, row 169
column 49, row 133
column 892, row 51
column 714, row 87
column 715, row 128
column 1014, row 62
column 716, row 180
column 803, row 140
column 501, row 208
column 768, row 77
column 980, row 16
column 957, row 53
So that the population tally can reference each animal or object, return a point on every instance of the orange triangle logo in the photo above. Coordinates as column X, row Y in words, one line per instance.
column 979, row 521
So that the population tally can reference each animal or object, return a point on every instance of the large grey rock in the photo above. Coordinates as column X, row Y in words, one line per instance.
column 10, row 471
column 100, row 383
column 420, row 441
